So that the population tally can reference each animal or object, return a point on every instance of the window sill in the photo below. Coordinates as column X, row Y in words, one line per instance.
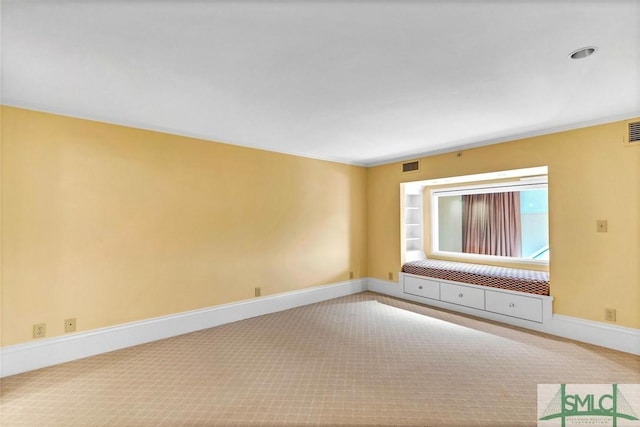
column 500, row 261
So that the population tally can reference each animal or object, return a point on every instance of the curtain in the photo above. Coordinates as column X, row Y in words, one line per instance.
column 492, row 224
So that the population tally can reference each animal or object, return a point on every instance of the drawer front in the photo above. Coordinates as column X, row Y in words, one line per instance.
column 422, row 287
column 462, row 295
column 529, row 308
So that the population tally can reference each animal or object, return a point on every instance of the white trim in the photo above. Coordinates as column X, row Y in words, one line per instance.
column 52, row 351
column 602, row 334
column 532, row 182
column 490, row 188
column 452, row 147
column 386, row 287
column 487, row 259
column 469, row 143
column 9, row 102
column 523, row 174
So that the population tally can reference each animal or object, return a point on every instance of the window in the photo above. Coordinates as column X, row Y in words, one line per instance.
column 501, row 216
column 501, row 220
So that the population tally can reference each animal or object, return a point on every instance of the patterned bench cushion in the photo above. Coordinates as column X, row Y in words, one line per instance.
column 533, row 282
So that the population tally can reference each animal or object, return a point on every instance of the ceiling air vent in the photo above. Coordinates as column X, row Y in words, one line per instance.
column 410, row 166
column 634, row 132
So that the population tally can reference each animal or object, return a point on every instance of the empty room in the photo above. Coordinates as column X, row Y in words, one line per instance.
column 320, row 213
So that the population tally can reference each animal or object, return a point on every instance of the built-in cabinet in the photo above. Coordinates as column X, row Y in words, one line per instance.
column 501, row 304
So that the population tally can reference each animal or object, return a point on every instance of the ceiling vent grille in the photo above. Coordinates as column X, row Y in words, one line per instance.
column 410, row 166
column 634, row 132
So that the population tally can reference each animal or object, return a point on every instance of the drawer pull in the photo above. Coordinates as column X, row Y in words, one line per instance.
column 420, row 287
column 460, row 295
column 512, row 305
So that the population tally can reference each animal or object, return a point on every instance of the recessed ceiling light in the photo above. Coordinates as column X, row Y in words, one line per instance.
column 583, row 52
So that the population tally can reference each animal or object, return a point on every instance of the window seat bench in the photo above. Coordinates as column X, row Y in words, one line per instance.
column 499, row 293
column 532, row 282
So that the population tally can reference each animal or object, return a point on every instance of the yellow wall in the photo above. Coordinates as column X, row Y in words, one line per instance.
column 592, row 175
column 111, row 224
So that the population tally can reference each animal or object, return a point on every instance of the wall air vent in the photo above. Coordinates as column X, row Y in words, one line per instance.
column 634, row 132
column 410, row 166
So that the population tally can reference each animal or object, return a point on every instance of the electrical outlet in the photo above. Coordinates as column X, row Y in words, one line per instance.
column 610, row 314
column 258, row 291
column 351, row 275
column 70, row 325
column 390, row 275
column 40, row 330
column 601, row 225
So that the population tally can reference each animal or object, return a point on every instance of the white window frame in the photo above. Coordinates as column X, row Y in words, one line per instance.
column 533, row 183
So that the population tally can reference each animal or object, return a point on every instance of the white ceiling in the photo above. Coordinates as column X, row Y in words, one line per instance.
column 362, row 82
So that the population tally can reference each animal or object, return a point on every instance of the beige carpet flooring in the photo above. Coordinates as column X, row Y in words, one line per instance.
column 365, row 359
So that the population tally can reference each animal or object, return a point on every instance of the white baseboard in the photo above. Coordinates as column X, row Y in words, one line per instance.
column 386, row 287
column 602, row 334
column 20, row 358
column 52, row 351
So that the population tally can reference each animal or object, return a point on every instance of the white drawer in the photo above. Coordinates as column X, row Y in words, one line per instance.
column 422, row 287
column 462, row 295
column 524, row 307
